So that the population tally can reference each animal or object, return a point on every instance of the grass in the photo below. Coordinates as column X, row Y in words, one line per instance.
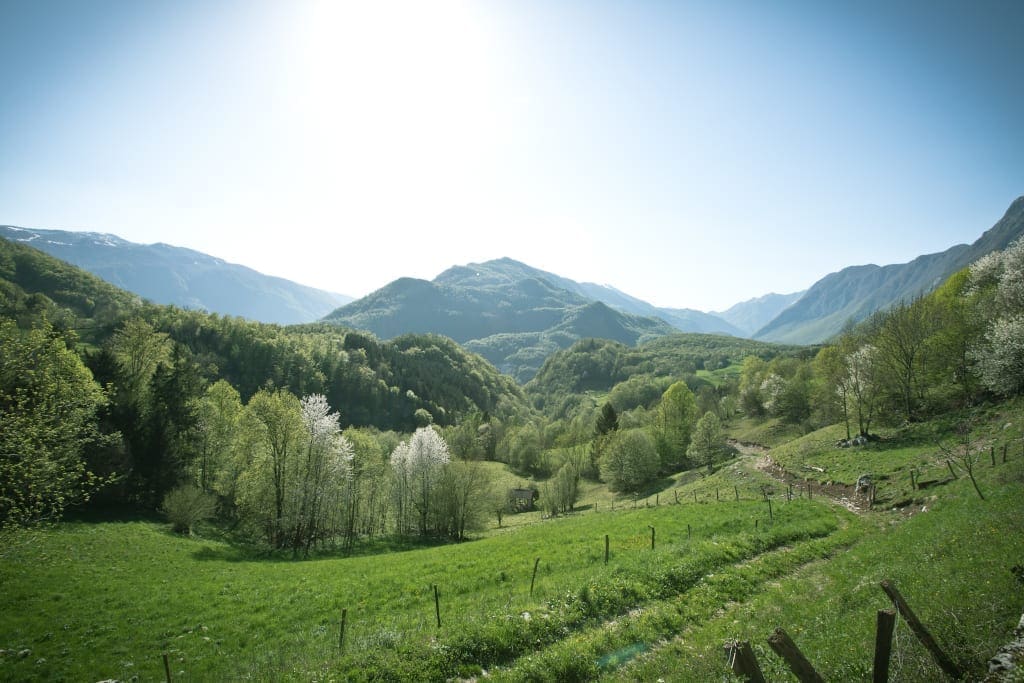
column 771, row 432
column 720, row 376
column 97, row 600
column 93, row 601
column 951, row 563
column 899, row 451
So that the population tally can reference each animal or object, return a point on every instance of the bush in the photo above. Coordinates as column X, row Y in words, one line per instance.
column 630, row 461
column 186, row 506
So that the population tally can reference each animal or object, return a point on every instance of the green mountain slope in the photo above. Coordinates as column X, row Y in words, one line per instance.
column 172, row 275
column 854, row 293
column 511, row 314
column 368, row 381
column 35, row 285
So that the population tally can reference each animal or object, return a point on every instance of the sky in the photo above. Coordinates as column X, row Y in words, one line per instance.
column 692, row 154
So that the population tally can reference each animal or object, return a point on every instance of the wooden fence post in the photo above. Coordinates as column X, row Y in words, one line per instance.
column 341, row 633
column 1004, row 453
column 695, row 495
column 737, row 490
column 716, row 495
column 606, row 548
column 536, row 563
column 677, row 497
column 743, row 661
column 689, row 531
column 771, row 517
column 913, row 480
column 167, row 668
column 783, row 646
column 437, row 606
column 652, row 535
column 992, row 453
column 944, row 662
column 885, row 624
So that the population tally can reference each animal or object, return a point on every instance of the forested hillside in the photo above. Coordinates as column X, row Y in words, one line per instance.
column 157, row 365
column 598, row 365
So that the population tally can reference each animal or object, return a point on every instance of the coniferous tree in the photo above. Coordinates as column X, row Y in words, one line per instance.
column 608, row 420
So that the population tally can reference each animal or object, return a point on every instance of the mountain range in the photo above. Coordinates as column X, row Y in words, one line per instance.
column 515, row 315
column 189, row 279
column 854, row 293
column 510, row 313
column 507, row 311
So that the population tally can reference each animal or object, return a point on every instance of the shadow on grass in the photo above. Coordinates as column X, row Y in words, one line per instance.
column 237, row 551
column 111, row 514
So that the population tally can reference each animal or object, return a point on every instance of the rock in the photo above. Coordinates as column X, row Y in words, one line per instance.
column 24, row 653
column 1001, row 662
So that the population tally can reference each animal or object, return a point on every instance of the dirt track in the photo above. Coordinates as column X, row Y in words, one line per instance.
column 841, row 494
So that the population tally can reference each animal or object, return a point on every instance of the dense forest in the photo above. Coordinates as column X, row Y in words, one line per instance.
column 300, row 436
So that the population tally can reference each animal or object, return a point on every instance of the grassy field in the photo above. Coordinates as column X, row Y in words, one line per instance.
column 100, row 600
column 952, row 562
column 772, row 432
column 916, row 448
column 104, row 600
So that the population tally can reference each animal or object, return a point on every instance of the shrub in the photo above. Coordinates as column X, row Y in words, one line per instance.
column 186, row 506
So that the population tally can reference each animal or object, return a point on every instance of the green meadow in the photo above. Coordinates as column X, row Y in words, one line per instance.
column 107, row 599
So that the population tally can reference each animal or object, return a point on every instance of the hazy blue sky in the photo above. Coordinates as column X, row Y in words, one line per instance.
column 693, row 154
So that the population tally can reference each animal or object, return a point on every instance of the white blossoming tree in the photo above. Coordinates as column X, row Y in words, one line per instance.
column 419, row 466
column 862, row 381
column 324, row 472
column 293, row 482
column 997, row 280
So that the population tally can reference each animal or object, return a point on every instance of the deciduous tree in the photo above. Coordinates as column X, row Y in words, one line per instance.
column 630, row 461
column 48, row 409
column 708, row 441
column 418, row 466
column 676, row 416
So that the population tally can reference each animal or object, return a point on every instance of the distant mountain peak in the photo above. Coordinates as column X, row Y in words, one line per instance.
column 167, row 274
column 509, row 312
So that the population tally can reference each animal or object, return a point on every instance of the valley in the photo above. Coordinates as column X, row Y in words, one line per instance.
column 512, row 342
column 207, row 497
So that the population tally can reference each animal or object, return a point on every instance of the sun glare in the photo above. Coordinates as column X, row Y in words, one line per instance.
column 395, row 91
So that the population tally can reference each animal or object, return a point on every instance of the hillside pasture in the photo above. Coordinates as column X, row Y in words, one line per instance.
column 106, row 600
column 950, row 559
